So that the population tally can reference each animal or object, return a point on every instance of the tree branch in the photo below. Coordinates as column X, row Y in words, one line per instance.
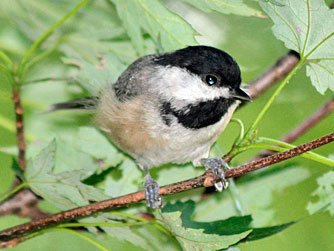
column 276, row 72
column 310, row 122
column 24, row 203
column 21, row 143
column 200, row 181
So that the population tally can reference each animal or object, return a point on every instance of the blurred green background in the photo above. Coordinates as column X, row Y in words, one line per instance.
column 254, row 47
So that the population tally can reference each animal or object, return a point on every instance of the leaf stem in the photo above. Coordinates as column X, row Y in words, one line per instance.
column 83, row 236
column 52, row 79
column 242, row 145
column 41, row 57
column 144, row 221
column 14, row 191
column 308, row 27
column 103, row 224
column 310, row 155
column 242, row 131
column 5, row 69
column 6, row 59
column 131, row 216
column 271, row 100
column 318, row 45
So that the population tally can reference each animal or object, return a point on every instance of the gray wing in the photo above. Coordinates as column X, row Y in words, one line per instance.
column 132, row 81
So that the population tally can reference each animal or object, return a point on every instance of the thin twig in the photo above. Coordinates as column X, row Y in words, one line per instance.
column 12, row 243
column 305, row 126
column 204, row 180
column 21, row 143
column 24, row 203
column 276, row 72
column 310, row 122
column 49, row 79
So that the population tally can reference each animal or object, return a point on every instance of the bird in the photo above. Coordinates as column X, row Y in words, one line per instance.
column 169, row 108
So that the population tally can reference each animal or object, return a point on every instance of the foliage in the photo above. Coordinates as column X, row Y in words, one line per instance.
column 88, row 44
column 308, row 28
column 325, row 192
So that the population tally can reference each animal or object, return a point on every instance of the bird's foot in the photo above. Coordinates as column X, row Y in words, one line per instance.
column 153, row 199
column 216, row 165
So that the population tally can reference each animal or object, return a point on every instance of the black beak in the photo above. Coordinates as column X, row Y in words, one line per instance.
column 240, row 94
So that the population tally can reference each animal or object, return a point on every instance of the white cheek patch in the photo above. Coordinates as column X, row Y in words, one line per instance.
column 178, row 84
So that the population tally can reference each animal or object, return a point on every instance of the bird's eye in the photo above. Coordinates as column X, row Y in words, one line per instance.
column 210, row 80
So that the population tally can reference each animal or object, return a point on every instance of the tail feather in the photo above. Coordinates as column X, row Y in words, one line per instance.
column 88, row 103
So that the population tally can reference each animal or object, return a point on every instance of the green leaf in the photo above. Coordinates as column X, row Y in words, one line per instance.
column 325, row 192
column 126, row 234
column 92, row 142
column 260, row 233
column 223, row 228
column 65, row 189
column 236, row 7
column 96, row 77
column 128, row 15
column 97, row 29
column 202, row 236
column 155, row 19
column 307, row 26
column 42, row 163
column 321, row 73
column 123, row 179
column 129, row 180
column 266, row 183
column 69, row 157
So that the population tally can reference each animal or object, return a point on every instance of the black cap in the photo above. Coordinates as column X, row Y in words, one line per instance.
column 204, row 60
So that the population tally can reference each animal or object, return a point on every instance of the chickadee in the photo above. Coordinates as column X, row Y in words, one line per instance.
column 170, row 108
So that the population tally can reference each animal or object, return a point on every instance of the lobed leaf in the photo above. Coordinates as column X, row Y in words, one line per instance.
column 192, row 238
column 96, row 77
column 65, row 190
column 214, row 235
column 237, row 7
column 265, row 182
column 160, row 23
column 307, row 26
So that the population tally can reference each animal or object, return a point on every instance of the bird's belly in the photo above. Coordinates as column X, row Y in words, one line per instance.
column 181, row 145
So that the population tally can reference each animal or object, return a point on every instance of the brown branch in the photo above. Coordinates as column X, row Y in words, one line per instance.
column 24, row 203
column 303, row 127
column 310, row 122
column 276, row 72
column 21, row 143
column 200, row 181
column 12, row 243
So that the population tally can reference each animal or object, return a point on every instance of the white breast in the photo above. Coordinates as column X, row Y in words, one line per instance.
column 182, row 145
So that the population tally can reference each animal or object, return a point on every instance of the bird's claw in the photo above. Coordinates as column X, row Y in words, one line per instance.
column 153, row 199
column 215, row 165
